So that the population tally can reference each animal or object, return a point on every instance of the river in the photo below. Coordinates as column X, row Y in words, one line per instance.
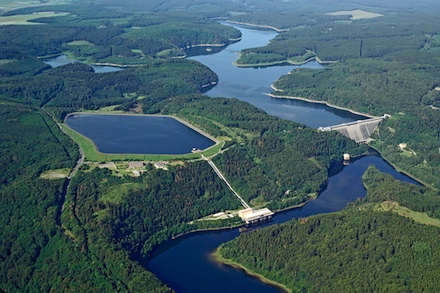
column 252, row 84
column 185, row 264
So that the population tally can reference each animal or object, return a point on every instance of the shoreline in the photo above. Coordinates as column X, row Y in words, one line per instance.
column 219, row 259
column 284, row 62
column 278, row 30
column 300, row 205
column 317, row 102
column 205, row 230
column 112, row 64
column 400, row 170
column 297, row 206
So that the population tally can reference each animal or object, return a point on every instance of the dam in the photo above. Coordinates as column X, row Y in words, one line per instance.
column 360, row 131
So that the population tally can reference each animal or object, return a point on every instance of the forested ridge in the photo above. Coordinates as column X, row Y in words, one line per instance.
column 270, row 160
column 75, row 87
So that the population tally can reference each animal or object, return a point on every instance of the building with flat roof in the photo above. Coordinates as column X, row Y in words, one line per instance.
column 251, row 216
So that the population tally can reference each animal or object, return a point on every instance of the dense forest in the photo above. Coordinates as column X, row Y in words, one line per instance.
column 330, row 40
column 364, row 247
column 76, row 87
column 262, row 167
column 37, row 253
column 94, row 232
column 91, row 224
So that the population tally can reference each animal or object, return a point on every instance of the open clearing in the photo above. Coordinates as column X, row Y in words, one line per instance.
column 22, row 19
column 419, row 217
column 55, row 174
column 356, row 14
column 8, row 5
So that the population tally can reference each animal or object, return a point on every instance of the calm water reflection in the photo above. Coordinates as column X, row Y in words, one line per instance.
column 124, row 134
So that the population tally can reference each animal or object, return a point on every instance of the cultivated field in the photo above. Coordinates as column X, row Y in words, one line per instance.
column 356, row 14
column 8, row 5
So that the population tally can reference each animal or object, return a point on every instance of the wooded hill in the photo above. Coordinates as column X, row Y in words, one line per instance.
column 403, row 85
column 117, row 38
column 37, row 253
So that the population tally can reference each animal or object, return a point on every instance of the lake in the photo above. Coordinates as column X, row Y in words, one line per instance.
column 251, row 84
column 130, row 134
column 185, row 263
column 62, row 60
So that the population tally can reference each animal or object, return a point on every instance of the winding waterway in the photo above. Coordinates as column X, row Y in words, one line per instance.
column 252, row 84
column 185, row 264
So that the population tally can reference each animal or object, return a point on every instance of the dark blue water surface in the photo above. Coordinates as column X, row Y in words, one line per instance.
column 185, row 264
column 251, row 84
column 124, row 134
column 62, row 60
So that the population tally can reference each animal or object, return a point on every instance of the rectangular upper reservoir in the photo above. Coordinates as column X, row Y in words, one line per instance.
column 138, row 134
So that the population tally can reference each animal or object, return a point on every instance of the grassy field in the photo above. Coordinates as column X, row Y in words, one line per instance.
column 23, row 19
column 421, row 218
column 356, row 14
column 8, row 5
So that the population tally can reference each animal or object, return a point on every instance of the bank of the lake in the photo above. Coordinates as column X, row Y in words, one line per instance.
column 400, row 170
column 318, row 102
column 217, row 257
column 299, row 60
column 261, row 26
